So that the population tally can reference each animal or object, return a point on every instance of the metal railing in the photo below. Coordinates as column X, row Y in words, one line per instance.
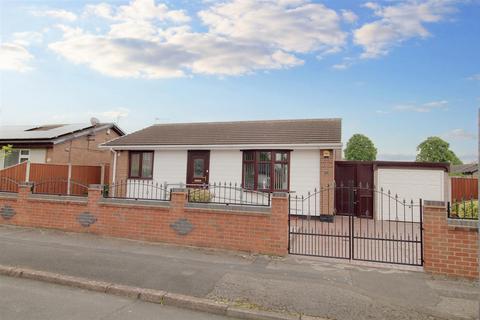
column 138, row 190
column 228, row 194
column 464, row 209
column 8, row 185
column 60, row 187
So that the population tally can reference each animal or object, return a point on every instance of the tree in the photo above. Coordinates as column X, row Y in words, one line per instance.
column 5, row 150
column 360, row 147
column 435, row 149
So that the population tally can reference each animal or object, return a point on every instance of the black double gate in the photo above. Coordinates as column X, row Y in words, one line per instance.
column 328, row 223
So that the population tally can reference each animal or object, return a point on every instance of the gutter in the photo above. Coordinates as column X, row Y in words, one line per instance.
column 304, row 146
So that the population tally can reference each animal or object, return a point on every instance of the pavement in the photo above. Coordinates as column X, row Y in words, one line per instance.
column 27, row 299
column 294, row 284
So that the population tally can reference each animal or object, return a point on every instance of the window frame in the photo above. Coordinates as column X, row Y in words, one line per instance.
column 140, row 168
column 256, row 161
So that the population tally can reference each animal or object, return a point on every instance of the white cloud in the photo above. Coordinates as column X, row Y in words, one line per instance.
column 459, row 134
column 14, row 57
column 27, row 38
column 422, row 108
column 475, row 77
column 349, row 16
column 149, row 40
column 296, row 26
column 399, row 22
column 56, row 14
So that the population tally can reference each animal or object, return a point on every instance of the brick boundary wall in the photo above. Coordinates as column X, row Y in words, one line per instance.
column 246, row 228
column 451, row 246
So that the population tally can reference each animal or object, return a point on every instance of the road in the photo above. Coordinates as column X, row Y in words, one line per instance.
column 318, row 287
column 22, row 299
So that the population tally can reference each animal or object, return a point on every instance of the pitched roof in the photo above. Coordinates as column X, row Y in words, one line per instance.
column 465, row 168
column 308, row 131
column 47, row 132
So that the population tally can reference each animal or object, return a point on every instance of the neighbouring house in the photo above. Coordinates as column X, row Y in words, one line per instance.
column 58, row 143
column 470, row 169
column 273, row 155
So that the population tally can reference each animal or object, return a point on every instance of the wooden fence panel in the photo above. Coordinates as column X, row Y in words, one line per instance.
column 49, row 178
column 82, row 177
column 464, row 188
column 10, row 177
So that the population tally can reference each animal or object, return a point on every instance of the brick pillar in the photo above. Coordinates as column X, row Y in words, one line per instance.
column 178, row 200
column 94, row 195
column 450, row 245
column 23, row 211
column 279, row 240
column 327, row 179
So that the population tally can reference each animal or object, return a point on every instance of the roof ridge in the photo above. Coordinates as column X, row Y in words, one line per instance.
column 249, row 121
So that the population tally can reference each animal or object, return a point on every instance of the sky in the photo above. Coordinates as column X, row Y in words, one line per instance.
column 396, row 71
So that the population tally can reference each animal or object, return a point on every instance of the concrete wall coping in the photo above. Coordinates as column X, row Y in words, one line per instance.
column 134, row 202
column 179, row 190
column 234, row 209
column 433, row 203
column 463, row 223
column 9, row 195
column 280, row 195
column 57, row 198
column 95, row 186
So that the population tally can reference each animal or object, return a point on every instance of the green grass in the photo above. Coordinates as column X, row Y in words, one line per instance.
column 465, row 210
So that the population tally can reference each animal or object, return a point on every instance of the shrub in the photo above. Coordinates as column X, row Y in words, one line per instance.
column 467, row 209
column 199, row 195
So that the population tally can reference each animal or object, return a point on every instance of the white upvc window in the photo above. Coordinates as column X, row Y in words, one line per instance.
column 17, row 156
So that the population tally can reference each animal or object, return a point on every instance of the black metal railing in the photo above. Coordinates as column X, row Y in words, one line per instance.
column 8, row 185
column 227, row 193
column 464, row 209
column 137, row 189
column 60, row 187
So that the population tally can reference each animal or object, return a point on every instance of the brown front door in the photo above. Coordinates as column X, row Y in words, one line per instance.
column 198, row 167
column 354, row 188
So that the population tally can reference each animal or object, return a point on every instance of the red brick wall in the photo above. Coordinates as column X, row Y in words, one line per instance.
column 258, row 232
column 449, row 249
column 82, row 150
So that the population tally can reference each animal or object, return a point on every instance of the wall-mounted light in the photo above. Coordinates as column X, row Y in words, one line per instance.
column 326, row 154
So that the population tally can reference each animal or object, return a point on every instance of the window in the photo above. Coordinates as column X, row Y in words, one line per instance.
column 141, row 164
column 266, row 170
column 16, row 156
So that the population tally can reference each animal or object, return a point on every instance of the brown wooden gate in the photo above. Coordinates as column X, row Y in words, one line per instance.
column 355, row 181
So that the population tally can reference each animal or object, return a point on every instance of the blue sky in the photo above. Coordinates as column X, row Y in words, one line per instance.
column 397, row 71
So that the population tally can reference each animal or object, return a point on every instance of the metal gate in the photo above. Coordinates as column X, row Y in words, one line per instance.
column 328, row 223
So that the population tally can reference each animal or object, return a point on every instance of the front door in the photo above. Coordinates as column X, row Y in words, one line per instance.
column 198, row 167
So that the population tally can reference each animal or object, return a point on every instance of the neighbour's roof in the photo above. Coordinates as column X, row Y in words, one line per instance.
column 465, row 168
column 46, row 133
column 309, row 131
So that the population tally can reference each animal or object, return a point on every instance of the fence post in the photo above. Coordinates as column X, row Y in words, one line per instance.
column 69, row 177
column 27, row 172
column 102, row 174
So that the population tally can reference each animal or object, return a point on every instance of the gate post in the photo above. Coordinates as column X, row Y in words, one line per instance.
column 327, row 181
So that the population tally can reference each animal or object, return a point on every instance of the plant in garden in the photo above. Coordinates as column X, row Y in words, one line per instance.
column 199, row 195
column 360, row 147
column 435, row 149
column 6, row 150
column 466, row 209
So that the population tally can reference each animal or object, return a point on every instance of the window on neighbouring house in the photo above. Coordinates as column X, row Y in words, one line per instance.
column 266, row 170
column 16, row 156
column 141, row 164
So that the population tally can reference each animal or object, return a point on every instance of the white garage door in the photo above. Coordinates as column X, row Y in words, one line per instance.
column 408, row 184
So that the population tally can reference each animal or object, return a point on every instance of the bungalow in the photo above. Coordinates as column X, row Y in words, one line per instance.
column 58, row 143
column 275, row 155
